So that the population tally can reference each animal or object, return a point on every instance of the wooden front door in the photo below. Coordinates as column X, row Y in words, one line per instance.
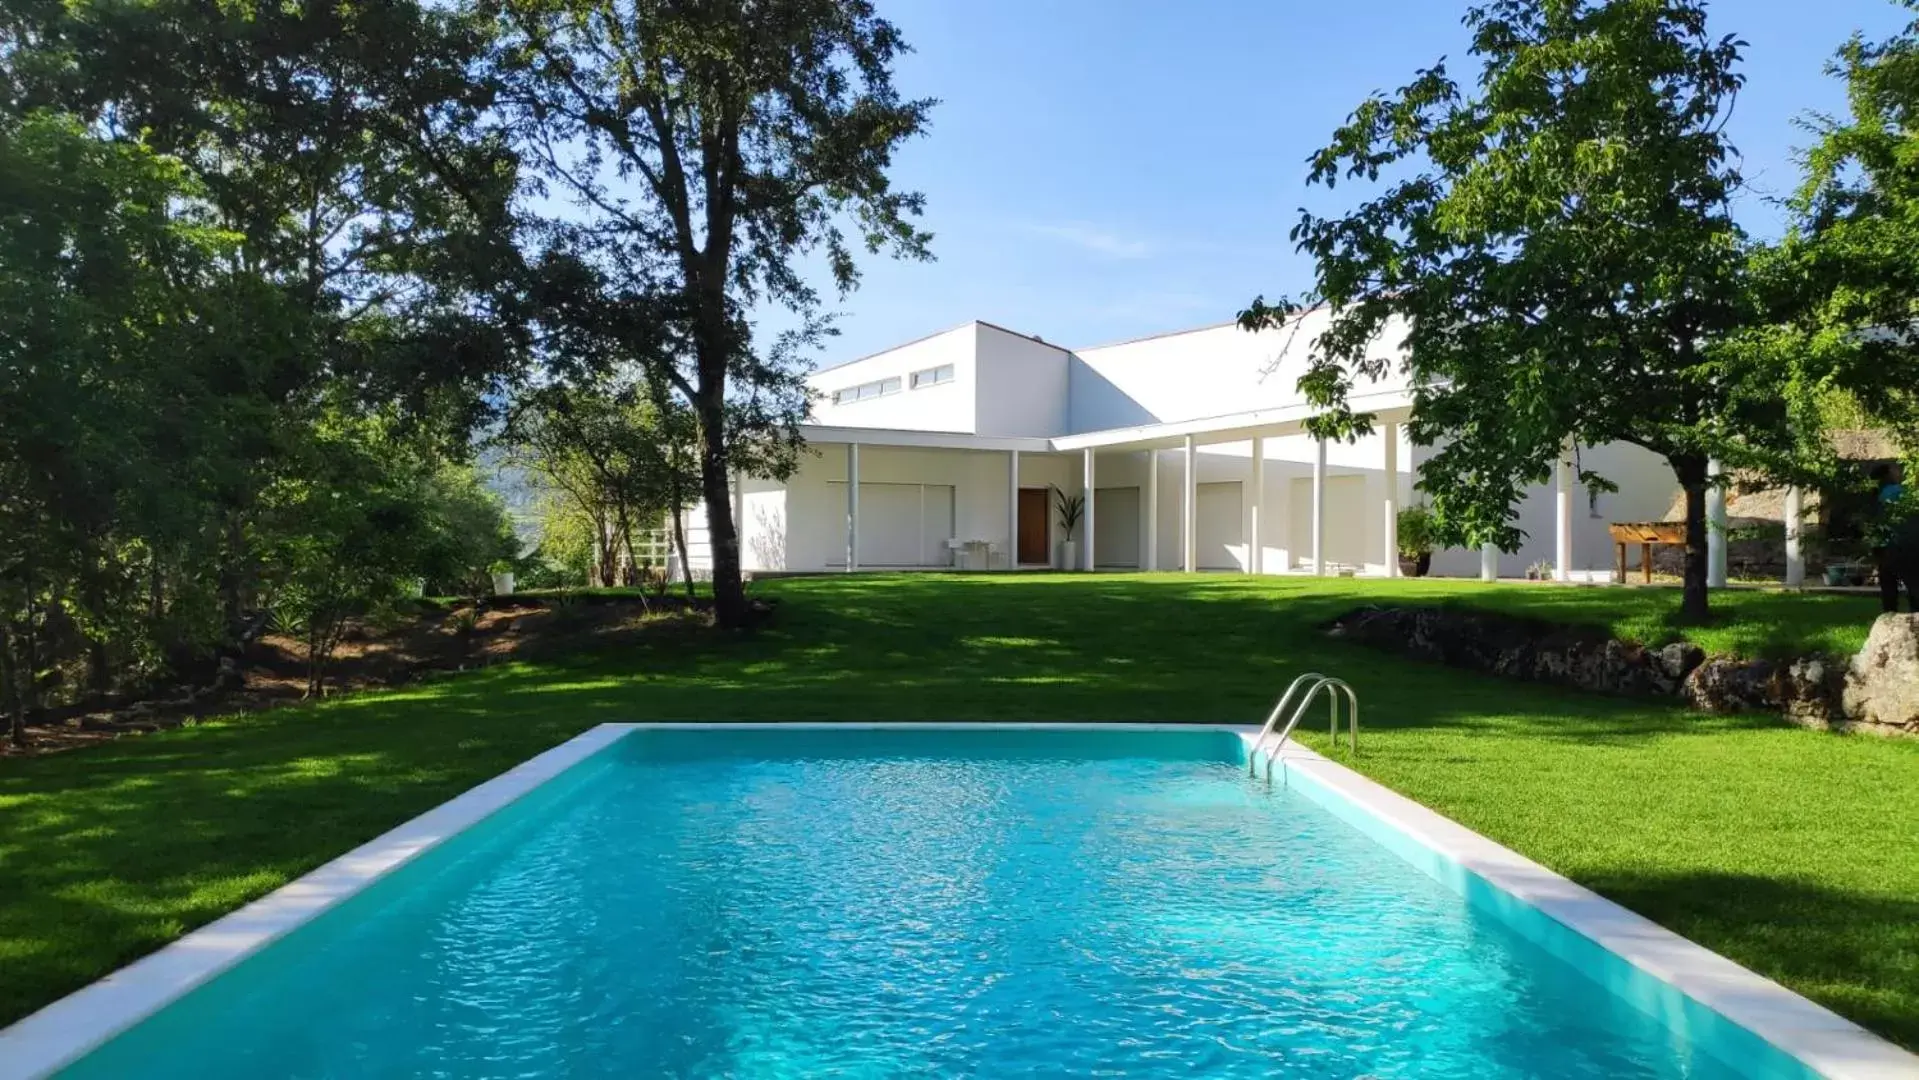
column 1033, row 509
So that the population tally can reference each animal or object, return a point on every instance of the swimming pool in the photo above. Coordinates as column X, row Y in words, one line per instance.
column 939, row 901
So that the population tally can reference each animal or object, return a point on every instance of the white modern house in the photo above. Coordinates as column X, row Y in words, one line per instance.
column 1189, row 448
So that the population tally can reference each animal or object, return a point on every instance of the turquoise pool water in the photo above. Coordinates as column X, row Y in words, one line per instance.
column 933, row 903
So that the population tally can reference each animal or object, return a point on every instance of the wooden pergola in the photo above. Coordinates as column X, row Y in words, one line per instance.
column 1646, row 534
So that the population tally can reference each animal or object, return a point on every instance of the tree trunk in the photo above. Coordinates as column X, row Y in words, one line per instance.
column 27, row 675
column 674, row 495
column 679, row 545
column 608, row 568
column 723, row 538
column 623, row 548
column 232, row 586
column 1692, row 603
column 11, row 698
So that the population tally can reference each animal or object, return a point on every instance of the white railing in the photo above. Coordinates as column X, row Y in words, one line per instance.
column 1314, row 682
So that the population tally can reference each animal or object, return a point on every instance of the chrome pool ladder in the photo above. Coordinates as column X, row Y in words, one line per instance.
column 1315, row 683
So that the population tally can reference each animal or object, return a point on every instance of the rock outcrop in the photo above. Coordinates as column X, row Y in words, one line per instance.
column 1730, row 685
column 1881, row 691
column 1516, row 648
column 1877, row 693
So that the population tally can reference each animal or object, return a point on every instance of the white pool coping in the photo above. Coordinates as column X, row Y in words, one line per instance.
column 65, row 1031
column 1829, row 1044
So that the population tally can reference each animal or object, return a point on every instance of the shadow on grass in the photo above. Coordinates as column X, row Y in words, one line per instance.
column 1851, row 951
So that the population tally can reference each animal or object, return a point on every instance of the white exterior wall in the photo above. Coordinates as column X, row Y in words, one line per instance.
column 946, row 407
column 1199, row 374
column 763, row 526
column 1022, row 384
column 1646, row 490
column 801, row 526
column 815, row 498
column 1008, row 384
column 1288, row 460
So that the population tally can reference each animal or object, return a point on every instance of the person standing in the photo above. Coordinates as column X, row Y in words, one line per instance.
column 1896, row 543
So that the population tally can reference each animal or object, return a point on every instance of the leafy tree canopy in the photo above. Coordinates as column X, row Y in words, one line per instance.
column 1556, row 246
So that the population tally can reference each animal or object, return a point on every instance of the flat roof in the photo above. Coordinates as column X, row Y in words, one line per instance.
column 933, row 440
column 1390, row 406
column 1034, row 338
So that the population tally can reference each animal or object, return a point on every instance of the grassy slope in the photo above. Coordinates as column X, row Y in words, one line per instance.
column 1789, row 851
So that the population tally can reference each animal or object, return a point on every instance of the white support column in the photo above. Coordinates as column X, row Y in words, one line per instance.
column 1256, row 536
column 1152, row 509
column 1391, row 432
column 1319, row 507
column 1563, row 517
column 1189, row 513
column 1012, row 510
column 1795, row 537
column 1715, row 526
column 739, row 520
column 1488, row 563
column 1086, row 523
column 852, row 507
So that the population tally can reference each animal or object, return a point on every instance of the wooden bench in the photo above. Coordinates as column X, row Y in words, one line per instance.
column 1646, row 534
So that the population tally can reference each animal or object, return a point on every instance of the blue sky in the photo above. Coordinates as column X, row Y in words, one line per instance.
column 1104, row 169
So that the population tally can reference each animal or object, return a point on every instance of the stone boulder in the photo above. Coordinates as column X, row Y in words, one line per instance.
column 1729, row 685
column 1882, row 686
column 1809, row 693
column 1518, row 648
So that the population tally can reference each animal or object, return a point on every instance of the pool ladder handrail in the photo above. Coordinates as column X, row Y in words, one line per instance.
column 1333, row 688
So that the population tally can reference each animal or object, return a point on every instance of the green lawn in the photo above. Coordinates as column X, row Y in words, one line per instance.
column 1792, row 852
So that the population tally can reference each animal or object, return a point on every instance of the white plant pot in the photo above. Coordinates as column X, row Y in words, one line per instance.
column 503, row 584
column 1067, row 555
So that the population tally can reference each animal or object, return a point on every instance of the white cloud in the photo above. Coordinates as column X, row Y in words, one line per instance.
column 1096, row 238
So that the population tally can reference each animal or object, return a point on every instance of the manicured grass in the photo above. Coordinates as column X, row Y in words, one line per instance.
column 1789, row 851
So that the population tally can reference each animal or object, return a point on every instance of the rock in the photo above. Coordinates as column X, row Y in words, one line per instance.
column 1517, row 648
column 1882, row 685
column 1878, row 693
column 1668, row 667
column 1726, row 685
column 1809, row 693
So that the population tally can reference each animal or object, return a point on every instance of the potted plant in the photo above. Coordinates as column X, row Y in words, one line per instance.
column 1071, row 508
column 1415, row 541
column 502, row 572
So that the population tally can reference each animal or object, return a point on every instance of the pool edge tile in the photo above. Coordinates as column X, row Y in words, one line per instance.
column 59, row 1034
column 1820, row 1039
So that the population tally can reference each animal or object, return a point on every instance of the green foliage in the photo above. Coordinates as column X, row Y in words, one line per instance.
column 1416, row 532
column 708, row 150
column 1555, row 244
column 367, row 514
column 1070, row 508
column 465, row 531
column 229, row 233
column 1842, row 288
column 611, row 460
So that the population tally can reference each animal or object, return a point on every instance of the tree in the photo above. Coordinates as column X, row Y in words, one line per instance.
column 123, row 342
column 465, row 529
column 1842, row 287
column 365, row 508
column 1559, row 245
column 615, row 457
column 223, row 228
column 710, row 146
